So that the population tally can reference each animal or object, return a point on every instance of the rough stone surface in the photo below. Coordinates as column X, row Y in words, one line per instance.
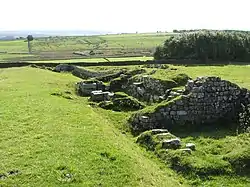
column 172, row 143
column 85, row 74
column 64, row 67
column 85, row 88
column 99, row 95
column 159, row 131
column 187, row 150
column 155, row 138
column 146, row 88
column 206, row 100
column 191, row 146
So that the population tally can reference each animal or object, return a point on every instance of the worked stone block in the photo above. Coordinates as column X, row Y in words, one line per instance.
column 174, row 143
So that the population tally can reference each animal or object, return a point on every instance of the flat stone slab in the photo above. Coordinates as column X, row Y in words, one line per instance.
column 171, row 144
column 190, row 146
column 159, row 131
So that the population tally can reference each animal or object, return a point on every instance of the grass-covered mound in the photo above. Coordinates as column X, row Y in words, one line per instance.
column 217, row 156
column 122, row 102
column 203, row 45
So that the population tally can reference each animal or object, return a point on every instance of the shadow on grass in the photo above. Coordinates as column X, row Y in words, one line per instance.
column 214, row 131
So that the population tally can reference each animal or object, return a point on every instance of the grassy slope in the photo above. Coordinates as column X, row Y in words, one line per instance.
column 45, row 137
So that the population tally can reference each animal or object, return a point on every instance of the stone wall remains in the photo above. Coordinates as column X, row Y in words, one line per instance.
column 148, row 89
column 206, row 100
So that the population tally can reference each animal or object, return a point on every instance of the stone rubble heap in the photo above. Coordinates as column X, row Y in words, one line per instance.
column 99, row 95
column 148, row 89
column 86, row 88
column 162, row 139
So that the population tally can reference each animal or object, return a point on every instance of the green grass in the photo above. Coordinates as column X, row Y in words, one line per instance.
column 4, row 57
column 46, row 136
column 13, row 46
column 238, row 74
column 54, row 141
column 219, row 155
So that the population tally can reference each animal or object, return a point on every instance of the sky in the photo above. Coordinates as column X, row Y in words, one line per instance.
column 124, row 15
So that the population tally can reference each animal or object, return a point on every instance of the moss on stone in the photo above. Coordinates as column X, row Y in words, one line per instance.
column 152, row 141
column 154, row 108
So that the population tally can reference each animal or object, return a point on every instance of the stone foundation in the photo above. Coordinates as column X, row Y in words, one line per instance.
column 206, row 100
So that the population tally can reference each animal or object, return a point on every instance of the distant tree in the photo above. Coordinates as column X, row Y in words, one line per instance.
column 29, row 39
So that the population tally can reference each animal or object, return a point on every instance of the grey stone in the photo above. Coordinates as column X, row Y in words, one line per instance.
column 182, row 113
column 99, row 95
column 187, row 150
column 172, row 113
column 201, row 106
column 141, row 91
column 144, row 119
column 158, row 131
column 191, row 146
column 179, row 102
column 171, row 144
column 64, row 67
column 174, row 93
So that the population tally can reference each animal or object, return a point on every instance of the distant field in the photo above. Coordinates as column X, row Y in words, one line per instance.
column 98, row 60
column 118, row 45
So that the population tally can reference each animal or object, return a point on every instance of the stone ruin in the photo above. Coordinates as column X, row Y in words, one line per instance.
column 99, row 95
column 162, row 139
column 85, row 88
column 95, row 89
column 206, row 100
column 148, row 89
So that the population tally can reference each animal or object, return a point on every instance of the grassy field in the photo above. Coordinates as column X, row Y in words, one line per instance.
column 59, row 140
column 49, row 140
column 103, row 46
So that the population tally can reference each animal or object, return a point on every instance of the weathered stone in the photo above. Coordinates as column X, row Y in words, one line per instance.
column 172, row 113
column 144, row 119
column 187, row 150
column 158, row 131
column 179, row 102
column 171, row 144
column 99, row 95
column 174, row 93
column 64, row 67
column 205, row 103
column 182, row 113
column 191, row 146
column 141, row 91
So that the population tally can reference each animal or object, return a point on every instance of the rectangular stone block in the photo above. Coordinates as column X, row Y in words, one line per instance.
column 182, row 113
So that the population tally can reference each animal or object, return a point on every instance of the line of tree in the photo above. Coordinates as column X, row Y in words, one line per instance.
column 195, row 30
column 206, row 45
